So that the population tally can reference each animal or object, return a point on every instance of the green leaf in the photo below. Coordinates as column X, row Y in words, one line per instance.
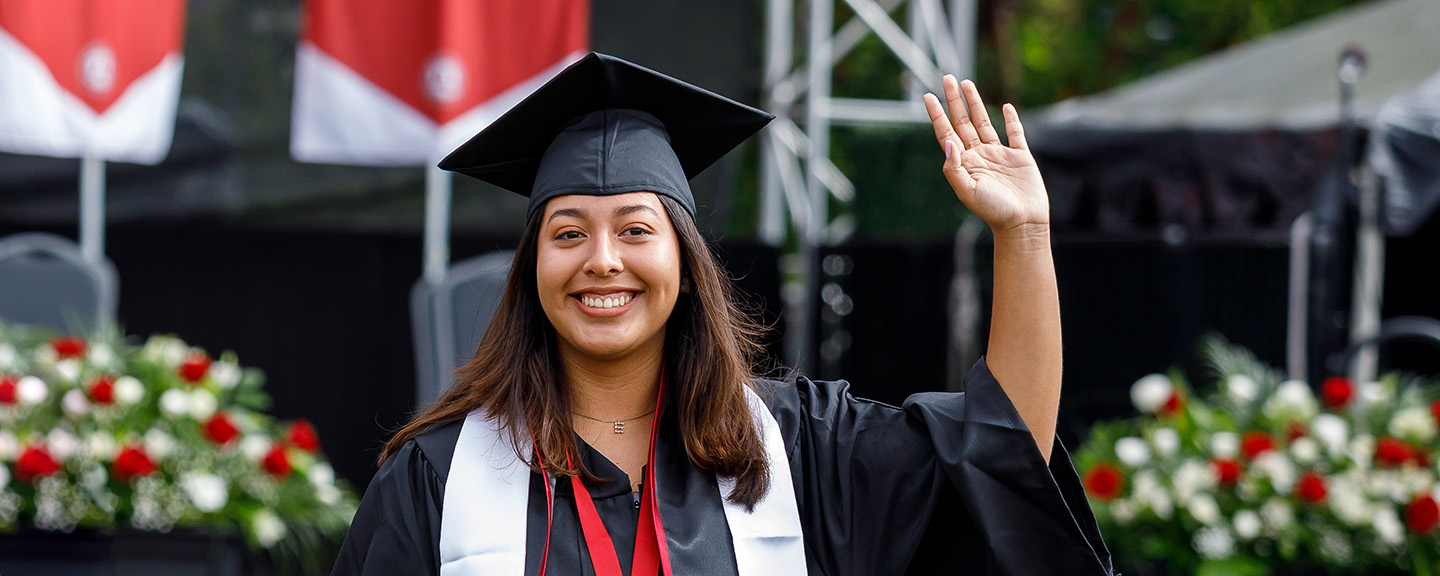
column 1233, row 566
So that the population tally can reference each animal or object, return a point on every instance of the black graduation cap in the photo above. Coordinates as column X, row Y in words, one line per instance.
column 606, row 126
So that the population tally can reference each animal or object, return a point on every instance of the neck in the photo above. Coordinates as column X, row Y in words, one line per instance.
column 612, row 389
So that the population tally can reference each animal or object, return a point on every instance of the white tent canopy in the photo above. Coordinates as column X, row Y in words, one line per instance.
column 1286, row 80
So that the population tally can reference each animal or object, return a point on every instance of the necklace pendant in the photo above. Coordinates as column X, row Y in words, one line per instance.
column 619, row 427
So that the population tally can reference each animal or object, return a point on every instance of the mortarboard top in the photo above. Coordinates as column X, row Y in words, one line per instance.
column 606, row 126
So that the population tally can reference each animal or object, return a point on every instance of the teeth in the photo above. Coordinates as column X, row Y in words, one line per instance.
column 607, row 302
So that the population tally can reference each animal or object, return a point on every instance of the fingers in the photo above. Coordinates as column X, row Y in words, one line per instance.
column 959, row 178
column 1013, row 130
column 979, row 117
column 958, row 115
column 938, row 120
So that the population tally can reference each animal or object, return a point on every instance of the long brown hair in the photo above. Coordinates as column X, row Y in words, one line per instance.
column 516, row 376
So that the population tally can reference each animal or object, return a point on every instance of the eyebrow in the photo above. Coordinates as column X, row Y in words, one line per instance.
column 619, row 212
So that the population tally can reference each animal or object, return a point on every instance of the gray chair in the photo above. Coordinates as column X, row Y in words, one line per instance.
column 45, row 281
column 450, row 317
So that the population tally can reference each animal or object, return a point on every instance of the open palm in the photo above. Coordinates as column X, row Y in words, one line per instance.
column 999, row 183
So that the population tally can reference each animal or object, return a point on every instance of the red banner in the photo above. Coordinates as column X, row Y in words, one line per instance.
column 393, row 83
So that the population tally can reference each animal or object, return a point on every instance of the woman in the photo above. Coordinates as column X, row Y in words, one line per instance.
column 610, row 424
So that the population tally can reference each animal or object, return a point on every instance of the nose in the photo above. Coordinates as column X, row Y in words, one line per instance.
column 604, row 258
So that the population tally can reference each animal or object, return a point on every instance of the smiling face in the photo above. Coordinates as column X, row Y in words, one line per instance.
column 608, row 273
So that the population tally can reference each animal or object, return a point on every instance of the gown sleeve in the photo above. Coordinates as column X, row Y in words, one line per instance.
column 396, row 529
column 958, row 472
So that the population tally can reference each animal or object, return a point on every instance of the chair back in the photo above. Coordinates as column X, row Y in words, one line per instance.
column 450, row 316
column 44, row 280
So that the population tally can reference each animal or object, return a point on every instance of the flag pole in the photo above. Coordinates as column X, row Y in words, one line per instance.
column 92, row 208
column 437, row 223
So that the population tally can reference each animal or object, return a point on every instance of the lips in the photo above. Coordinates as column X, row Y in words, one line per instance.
column 607, row 300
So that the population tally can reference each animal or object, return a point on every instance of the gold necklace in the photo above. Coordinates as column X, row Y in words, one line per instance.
column 619, row 424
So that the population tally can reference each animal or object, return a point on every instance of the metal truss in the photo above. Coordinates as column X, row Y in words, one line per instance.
column 797, row 176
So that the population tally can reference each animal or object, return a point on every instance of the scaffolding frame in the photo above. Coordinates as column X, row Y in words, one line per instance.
column 798, row 178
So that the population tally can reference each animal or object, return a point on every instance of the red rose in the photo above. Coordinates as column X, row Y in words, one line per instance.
column 1255, row 443
column 1104, row 481
column 7, row 389
column 1422, row 514
column 195, row 367
column 68, row 346
column 1435, row 410
column 220, row 429
column 303, row 436
column 1391, row 451
column 102, row 390
column 1337, row 391
column 1296, row 430
column 1311, row 488
column 1174, row 405
column 1227, row 470
column 132, row 462
column 35, row 462
column 276, row 462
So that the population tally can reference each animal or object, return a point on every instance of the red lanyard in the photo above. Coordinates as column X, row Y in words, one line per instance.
column 651, row 556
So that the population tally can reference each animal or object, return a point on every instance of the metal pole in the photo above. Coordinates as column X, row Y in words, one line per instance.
column 92, row 209
column 962, row 24
column 437, row 223
column 779, row 57
column 1369, row 283
column 817, row 125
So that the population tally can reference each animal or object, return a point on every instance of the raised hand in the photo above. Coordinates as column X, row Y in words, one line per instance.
column 999, row 183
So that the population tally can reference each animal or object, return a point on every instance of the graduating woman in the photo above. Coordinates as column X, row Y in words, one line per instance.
column 610, row 423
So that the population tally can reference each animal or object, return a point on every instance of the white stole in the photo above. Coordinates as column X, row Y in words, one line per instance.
column 482, row 526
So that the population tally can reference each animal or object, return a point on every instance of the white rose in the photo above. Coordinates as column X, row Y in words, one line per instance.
column 100, row 355
column 68, row 369
column 128, row 391
column 321, row 474
column 1414, row 423
column 175, row 403
column 8, row 355
column 1305, row 450
column 61, row 443
column 1388, row 526
column 158, row 443
column 75, row 403
column 1214, row 543
column 1293, row 399
column 202, row 404
column 1150, row 393
column 1204, row 508
column 1241, row 389
column 208, row 491
column 1362, row 450
column 1278, row 469
column 1224, row 444
column 1277, row 514
column 1347, row 500
column 9, row 446
column 328, row 495
column 1166, row 441
column 1332, row 431
column 255, row 446
column 1375, row 393
column 1148, row 491
column 225, row 374
column 268, row 527
column 1193, row 477
column 4, row 478
column 1132, row 451
column 1247, row 524
column 31, row 391
column 101, row 446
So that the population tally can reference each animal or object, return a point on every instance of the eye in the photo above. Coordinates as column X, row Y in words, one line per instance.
column 569, row 235
column 635, row 231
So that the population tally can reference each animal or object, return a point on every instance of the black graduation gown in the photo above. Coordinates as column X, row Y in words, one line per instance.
column 958, row 473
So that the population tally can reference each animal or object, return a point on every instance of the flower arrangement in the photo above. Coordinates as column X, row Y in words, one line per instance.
column 97, row 433
column 1265, row 473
